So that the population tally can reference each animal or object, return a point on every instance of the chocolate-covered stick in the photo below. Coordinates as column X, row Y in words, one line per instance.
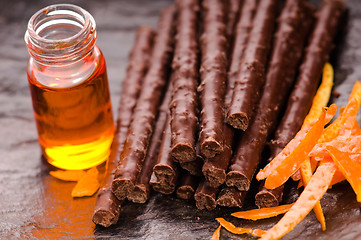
column 250, row 78
column 213, row 77
column 194, row 167
column 141, row 190
column 184, row 121
column 163, row 187
column 232, row 8
column 141, row 127
column 242, row 30
column 131, row 85
column 205, row 196
column 231, row 197
column 214, row 169
column 317, row 53
column 293, row 28
column 269, row 197
column 107, row 206
column 187, row 186
column 165, row 168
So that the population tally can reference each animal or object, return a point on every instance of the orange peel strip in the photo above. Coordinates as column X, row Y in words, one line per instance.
column 298, row 143
column 68, row 175
column 350, row 144
column 313, row 192
column 88, row 185
column 322, row 96
column 320, row 100
column 217, row 234
column 262, row 213
column 300, row 152
column 306, row 174
column 349, row 168
column 347, row 114
column 233, row 229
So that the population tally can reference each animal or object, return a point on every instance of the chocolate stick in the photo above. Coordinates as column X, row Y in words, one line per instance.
column 233, row 11
column 187, row 186
column 163, row 187
column 214, row 169
column 293, row 28
column 165, row 169
column 213, row 78
column 269, row 197
column 184, row 121
column 140, row 129
column 242, row 30
column 205, row 196
column 194, row 167
column 107, row 206
column 317, row 53
column 250, row 78
column 231, row 197
column 141, row 190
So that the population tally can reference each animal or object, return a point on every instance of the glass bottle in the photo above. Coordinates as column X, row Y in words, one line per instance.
column 69, row 87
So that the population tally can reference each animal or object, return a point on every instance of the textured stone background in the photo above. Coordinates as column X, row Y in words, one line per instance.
column 36, row 206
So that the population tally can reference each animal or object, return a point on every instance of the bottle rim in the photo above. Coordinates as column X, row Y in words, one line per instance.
column 62, row 50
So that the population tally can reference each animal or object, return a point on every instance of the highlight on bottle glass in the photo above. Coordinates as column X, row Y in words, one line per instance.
column 69, row 87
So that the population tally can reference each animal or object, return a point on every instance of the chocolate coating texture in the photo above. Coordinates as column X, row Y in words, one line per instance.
column 141, row 190
column 213, row 77
column 250, row 77
column 107, row 206
column 294, row 24
column 140, row 129
column 184, row 120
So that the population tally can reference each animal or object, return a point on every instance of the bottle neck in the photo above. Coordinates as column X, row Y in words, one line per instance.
column 60, row 35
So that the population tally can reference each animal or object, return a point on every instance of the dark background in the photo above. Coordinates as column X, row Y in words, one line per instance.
column 33, row 205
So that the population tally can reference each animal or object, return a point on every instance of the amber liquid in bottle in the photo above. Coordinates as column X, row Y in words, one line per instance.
column 69, row 87
column 75, row 124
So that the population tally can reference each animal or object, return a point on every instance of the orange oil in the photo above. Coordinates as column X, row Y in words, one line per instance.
column 75, row 124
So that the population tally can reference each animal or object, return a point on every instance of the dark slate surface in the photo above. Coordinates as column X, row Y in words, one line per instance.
column 34, row 205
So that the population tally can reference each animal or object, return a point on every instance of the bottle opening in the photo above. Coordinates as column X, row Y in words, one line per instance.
column 61, row 31
column 61, row 25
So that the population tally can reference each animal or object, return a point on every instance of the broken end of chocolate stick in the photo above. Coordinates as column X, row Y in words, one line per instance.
column 162, row 187
column 194, row 167
column 122, row 187
column 205, row 201
column 231, row 197
column 214, row 176
column 139, row 194
column 185, row 192
column 205, row 196
column 210, row 148
column 187, row 186
column 238, row 120
column 269, row 197
column 183, row 153
column 107, row 209
column 237, row 179
column 165, row 173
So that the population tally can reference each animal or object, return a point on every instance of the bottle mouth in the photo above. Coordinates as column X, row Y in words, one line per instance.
column 60, row 32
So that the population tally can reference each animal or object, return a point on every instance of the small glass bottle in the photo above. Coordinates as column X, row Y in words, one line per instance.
column 69, row 87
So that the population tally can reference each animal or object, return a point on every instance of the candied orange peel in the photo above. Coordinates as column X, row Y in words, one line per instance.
column 335, row 154
column 87, row 181
column 88, row 185
column 68, row 175
column 262, row 213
